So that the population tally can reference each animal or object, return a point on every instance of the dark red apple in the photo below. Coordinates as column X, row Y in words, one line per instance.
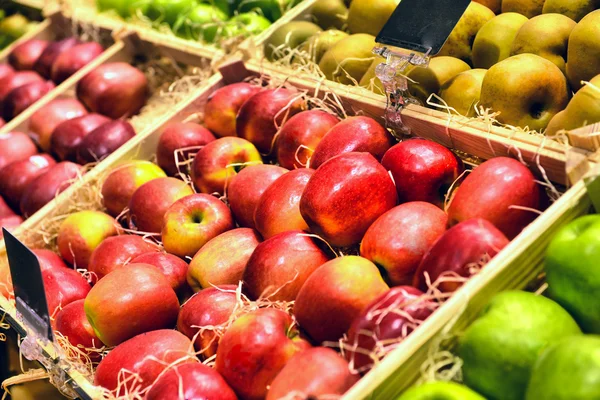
column 72, row 323
column 423, row 170
column 460, row 252
column 68, row 135
column 16, row 176
column 5, row 210
column 173, row 267
column 114, row 252
column 13, row 81
column 24, row 56
column 223, row 105
column 73, row 59
column 345, row 196
column 6, row 71
column 497, row 191
column 43, row 65
column 15, row 146
column 63, row 286
column 180, row 136
column 43, row 122
column 103, row 141
column 49, row 259
column 19, row 99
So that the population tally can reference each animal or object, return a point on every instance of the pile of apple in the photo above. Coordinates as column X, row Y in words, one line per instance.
column 282, row 192
column 67, row 133
column 528, row 65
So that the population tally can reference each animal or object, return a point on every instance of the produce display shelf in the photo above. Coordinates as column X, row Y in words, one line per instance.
column 387, row 379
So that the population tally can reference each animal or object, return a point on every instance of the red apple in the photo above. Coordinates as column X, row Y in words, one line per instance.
column 223, row 106
column 6, row 71
column 398, row 240
column 203, row 318
column 319, row 372
column 461, row 252
column 384, row 323
column 255, row 349
column 278, row 209
column 63, row 286
column 359, row 134
column 345, row 196
column 49, row 259
column 43, row 65
column 129, row 301
column 19, row 99
column 73, row 59
column 497, row 191
column 246, row 187
column 192, row 381
column 11, row 82
column 423, row 170
column 9, row 223
column 180, row 136
column 219, row 161
column 280, row 265
column 192, row 221
column 335, row 294
column 72, row 323
column 5, row 210
column 262, row 114
column 15, row 146
column 300, row 136
column 173, row 267
column 67, row 136
column 43, row 122
column 139, row 361
column 103, row 141
column 16, row 176
column 24, row 55
column 115, row 252
column 222, row 260
column 48, row 185
column 124, row 180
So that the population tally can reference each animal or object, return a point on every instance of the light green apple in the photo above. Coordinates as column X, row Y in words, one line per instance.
column 425, row 81
column 290, row 35
column 440, row 391
column 318, row 44
column 529, row 8
column 574, row 9
column 349, row 59
column 582, row 110
column 583, row 58
column 368, row 16
column 495, row 39
column 330, row 14
column 463, row 91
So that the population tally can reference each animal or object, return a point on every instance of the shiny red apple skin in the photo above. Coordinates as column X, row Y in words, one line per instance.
column 358, row 134
column 207, row 312
column 19, row 99
column 48, row 185
column 462, row 251
column 72, row 323
column 67, row 136
column 246, row 187
column 19, row 78
column 389, row 319
column 173, row 267
column 24, row 56
column 43, row 122
column 63, row 286
column 300, row 136
column 491, row 190
column 254, row 350
column 223, row 105
column 280, row 265
column 9, row 223
column 422, row 170
column 317, row 372
column 6, row 71
column 43, row 65
column 260, row 116
column 73, row 59
column 146, row 355
column 103, row 141
column 194, row 381
column 192, row 221
column 398, row 240
column 49, row 259
column 15, row 146
column 15, row 177
column 341, row 186
column 180, row 136
column 114, row 252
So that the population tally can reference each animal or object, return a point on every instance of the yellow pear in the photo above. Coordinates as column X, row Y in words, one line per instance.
column 529, row 8
column 317, row 45
column 461, row 39
column 370, row 80
column 463, row 91
column 493, row 5
column 429, row 80
column 583, row 59
column 369, row 16
column 526, row 89
column 583, row 109
column 574, row 9
column 349, row 59
column 330, row 13
column 494, row 40
column 290, row 35
column 546, row 35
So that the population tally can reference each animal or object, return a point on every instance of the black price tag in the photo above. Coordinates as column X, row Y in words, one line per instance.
column 28, row 286
column 420, row 25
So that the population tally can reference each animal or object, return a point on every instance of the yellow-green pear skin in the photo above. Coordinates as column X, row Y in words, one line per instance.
column 529, row 8
column 290, row 35
column 583, row 109
column 370, row 80
column 317, row 45
column 583, row 59
column 546, row 35
column 463, row 91
column 348, row 60
column 369, row 16
column 461, row 39
column 330, row 14
column 429, row 80
column 493, row 5
column 574, row 9
column 527, row 90
column 494, row 40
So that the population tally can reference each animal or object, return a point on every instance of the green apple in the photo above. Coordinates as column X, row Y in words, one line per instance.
column 169, row 11
column 463, row 91
column 568, row 370
column 122, row 7
column 529, row 8
column 370, row 80
column 546, row 35
column 494, row 40
column 203, row 21
column 584, row 50
column 270, row 9
column 245, row 24
column 582, row 110
column 290, row 35
column 227, row 6
column 330, row 13
column 318, row 44
column 440, row 391
column 527, row 90
column 14, row 26
column 573, row 273
column 348, row 60
column 574, row 9
column 501, row 346
column 368, row 16
column 425, row 81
